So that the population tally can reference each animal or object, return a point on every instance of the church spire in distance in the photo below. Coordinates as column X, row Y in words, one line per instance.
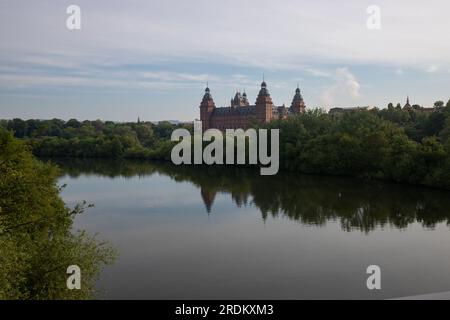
column 407, row 105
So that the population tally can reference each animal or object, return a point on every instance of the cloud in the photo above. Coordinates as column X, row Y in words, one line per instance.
column 119, row 80
column 153, row 47
column 318, row 73
column 345, row 88
column 432, row 69
column 177, row 76
column 292, row 33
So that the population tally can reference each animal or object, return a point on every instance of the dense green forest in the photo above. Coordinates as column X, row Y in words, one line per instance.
column 37, row 242
column 94, row 139
column 404, row 145
column 408, row 146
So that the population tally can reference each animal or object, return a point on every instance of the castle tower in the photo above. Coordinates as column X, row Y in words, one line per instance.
column 238, row 100
column 206, row 108
column 264, row 105
column 244, row 99
column 298, row 104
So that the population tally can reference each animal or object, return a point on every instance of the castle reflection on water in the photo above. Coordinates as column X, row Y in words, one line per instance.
column 309, row 200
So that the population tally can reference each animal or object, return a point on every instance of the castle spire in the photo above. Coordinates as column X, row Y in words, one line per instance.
column 244, row 99
column 263, row 91
column 264, row 104
column 263, row 83
column 207, row 107
column 298, row 104
column 207, row 95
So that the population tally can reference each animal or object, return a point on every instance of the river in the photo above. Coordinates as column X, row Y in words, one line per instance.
column 229, row 233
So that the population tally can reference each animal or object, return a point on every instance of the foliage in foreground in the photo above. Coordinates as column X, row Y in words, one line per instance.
column 36, row 242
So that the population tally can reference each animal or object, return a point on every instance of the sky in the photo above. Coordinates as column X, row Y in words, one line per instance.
column 152, row 59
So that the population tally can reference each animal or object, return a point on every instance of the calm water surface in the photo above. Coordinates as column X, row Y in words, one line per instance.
column 229, row 233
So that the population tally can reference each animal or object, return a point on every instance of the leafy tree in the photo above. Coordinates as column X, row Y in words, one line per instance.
column 74, row 123
column 439, row 104
column 18, row 126
column 37, row 244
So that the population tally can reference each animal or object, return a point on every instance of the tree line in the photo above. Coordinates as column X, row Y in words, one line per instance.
column 402, row 145
column 409, row 145
column 94, row 139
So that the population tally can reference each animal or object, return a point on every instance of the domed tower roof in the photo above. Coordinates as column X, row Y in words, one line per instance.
column 298, row 104
column 207, row 96
column 263, row 97
column 263, row 91
column 298, row 95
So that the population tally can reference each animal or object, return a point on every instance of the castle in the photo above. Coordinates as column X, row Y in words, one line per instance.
column 241, row 115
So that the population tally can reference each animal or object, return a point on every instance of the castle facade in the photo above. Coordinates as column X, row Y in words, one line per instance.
column 241, row 115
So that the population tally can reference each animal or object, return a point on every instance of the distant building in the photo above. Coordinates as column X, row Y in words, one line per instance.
column 432, row 109
column 407, row 105
column 240, row 114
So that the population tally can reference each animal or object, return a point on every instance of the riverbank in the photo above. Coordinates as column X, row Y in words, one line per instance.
column 405, row 146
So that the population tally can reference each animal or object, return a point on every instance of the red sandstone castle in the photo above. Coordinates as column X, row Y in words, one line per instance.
column 240, row 114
